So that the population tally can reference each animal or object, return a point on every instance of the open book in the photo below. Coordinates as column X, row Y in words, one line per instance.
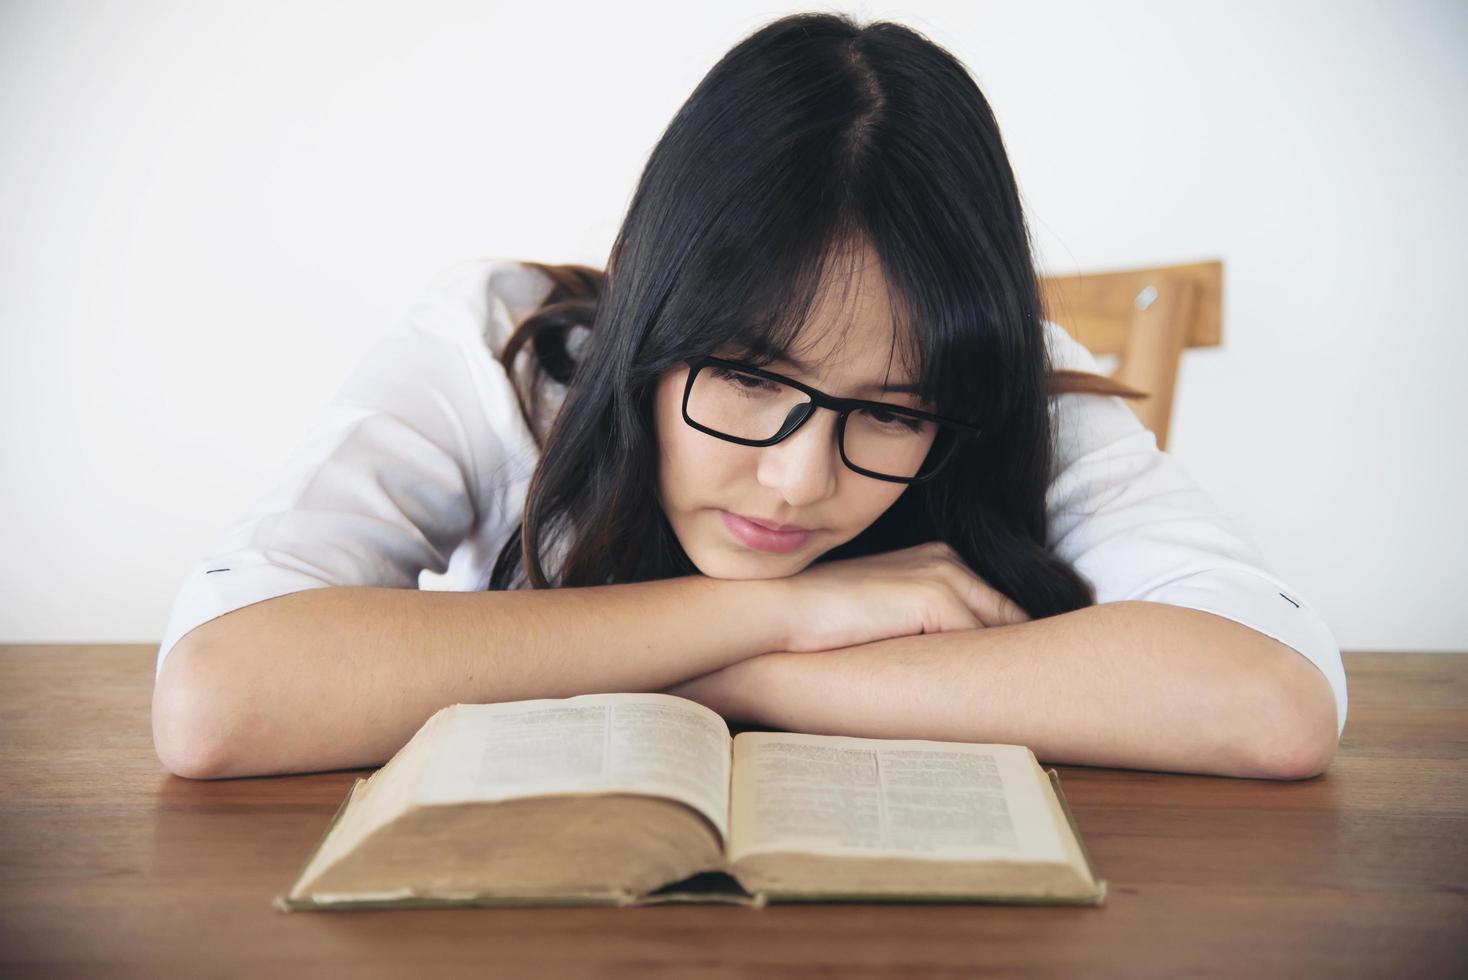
column 636, row 799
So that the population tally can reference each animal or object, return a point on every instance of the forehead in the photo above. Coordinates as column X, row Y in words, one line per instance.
column 850, row 339
column 845, row 379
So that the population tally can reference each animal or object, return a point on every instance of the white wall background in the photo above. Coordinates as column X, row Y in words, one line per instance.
column 208, row 212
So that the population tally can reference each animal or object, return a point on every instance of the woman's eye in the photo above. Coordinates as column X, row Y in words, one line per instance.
column 746, row 381
column 893, row 420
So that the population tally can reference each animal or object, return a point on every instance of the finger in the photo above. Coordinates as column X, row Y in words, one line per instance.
column 992, row 607
column 1006, row 611
column 963, row 618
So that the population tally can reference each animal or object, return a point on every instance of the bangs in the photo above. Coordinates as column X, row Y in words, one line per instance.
column 765, row 311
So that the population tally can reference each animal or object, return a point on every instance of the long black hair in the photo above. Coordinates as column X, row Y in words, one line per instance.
column 813, row 137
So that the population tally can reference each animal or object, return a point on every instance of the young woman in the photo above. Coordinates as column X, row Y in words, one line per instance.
column 807, row 452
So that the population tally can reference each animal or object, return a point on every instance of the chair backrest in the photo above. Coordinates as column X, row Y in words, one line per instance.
column 1147, row 316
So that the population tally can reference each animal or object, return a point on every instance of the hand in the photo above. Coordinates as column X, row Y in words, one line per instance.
column 737, row 692
column 923, row 589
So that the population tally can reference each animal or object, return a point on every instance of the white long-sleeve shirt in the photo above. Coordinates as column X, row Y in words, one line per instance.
column 421, row 460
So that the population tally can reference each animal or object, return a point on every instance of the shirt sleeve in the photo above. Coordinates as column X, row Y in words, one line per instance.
column 1132, row 521
column 411, row 454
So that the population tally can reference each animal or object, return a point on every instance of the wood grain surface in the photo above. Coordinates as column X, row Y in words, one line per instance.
column 110, row 865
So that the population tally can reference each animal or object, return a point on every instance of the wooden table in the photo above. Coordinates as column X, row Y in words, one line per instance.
column 109, row 865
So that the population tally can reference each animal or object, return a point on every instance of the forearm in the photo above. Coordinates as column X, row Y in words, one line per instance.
column 341, row 677
column 1132, row 684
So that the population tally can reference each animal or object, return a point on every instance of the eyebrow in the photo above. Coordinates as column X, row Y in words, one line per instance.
column 901, row 388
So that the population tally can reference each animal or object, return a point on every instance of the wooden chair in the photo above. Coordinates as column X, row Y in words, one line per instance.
column 1146, row 316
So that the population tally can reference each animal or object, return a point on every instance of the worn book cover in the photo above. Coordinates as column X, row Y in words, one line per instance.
column 644, row 799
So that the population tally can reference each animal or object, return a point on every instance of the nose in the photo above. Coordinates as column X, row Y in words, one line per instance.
column 803, row 466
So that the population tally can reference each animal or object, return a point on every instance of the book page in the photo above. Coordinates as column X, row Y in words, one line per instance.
column 913, row 798
column 592, row 743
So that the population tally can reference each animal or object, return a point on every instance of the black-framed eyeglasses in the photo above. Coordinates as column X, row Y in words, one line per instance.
column 744, row 404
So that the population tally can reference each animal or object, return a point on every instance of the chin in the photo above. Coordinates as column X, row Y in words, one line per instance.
column 750, row 565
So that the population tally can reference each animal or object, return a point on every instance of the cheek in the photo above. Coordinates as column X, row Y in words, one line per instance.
column 689, row 462
column 864, row 500
column 694, row 467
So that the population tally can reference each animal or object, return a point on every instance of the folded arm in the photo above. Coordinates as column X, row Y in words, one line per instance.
column 1140, row 685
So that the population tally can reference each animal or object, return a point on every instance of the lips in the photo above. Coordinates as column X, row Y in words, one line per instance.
column 772, row 526
column 762, row 538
